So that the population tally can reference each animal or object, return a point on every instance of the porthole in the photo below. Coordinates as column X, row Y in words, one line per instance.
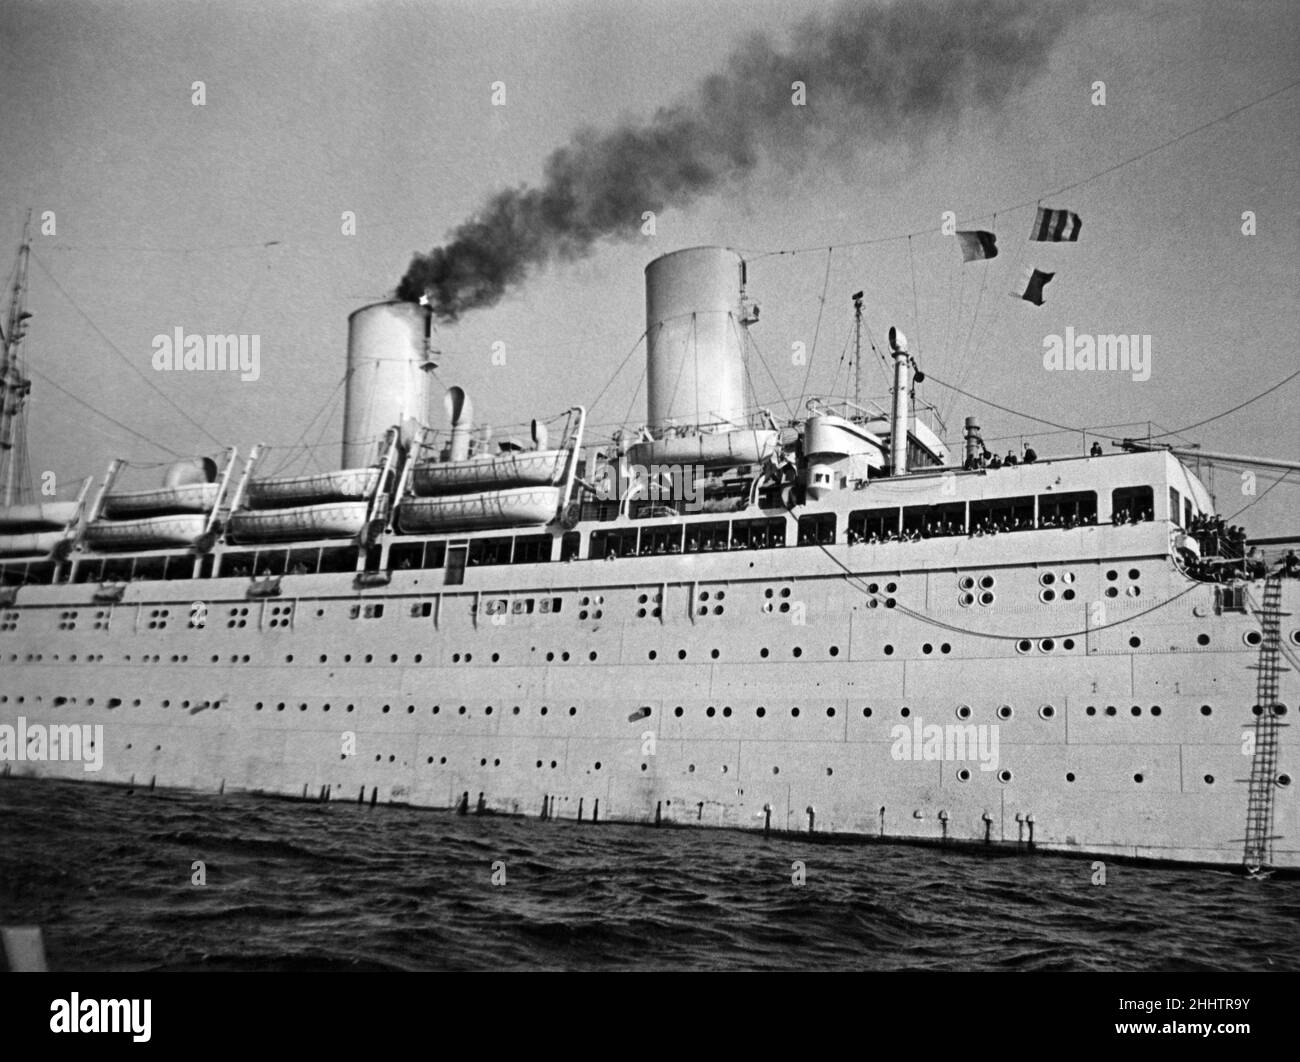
column 1138, row 778
column 965, row 583
column 1206, row 709
column 1112, row 575
column 785, row 591
column 1283, row 780
column 988, row 582
column 966, row 600
column 1134, row 591
column 1279, row 709
column 1067, row 594
column 1252, row 638
column 797, row 652
column 945, row 648
column 1135, row 711
column 710, row 711
column 1090, row 710
column 873, row 588
column 1004, row 775
column 678, row 711
column 1135, row 642
column 890, row 587
column 986, row 598
column 726, row 712
column 776, row 770
column 1067, row 577
column 830, row 713
column 927, row 648
column 681, row 654
column 905, row 712
column 544, row 710
column 963, row 775
column 1024, row 645
column 760, row 711
column 1110, row 709
column 834, row 650
column 1047, row 645
column 1155, row 709
column 763, row 653
column 1295, row 637
column 1202, row 639
column 889, row 650
column 866, row 713
column 1047, row 579
column 713, row 654
column 1067, row 643
column 1047, row 711
column 1112, row 592
column 1209, row 779
column 963, row 711
column 651, row 655
column 1133, row 573
column 794, row 712
column 1047, row 596
column 1069, row 776
column 1004, row 711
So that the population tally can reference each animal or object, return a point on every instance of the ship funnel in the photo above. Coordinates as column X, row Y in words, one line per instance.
column 901, row 411
column 696, row 314
column 195, row 470
column 386, row 385
column 460, row 411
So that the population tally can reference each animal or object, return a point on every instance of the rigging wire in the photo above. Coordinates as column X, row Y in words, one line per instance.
column 821, row 308
column 127, row 361
column 1243, row 405
column 101, row 413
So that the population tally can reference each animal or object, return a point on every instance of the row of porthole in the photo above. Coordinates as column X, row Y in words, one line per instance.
column 1045, row 645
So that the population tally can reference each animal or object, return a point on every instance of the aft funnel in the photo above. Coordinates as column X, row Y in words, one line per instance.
column 386, row 386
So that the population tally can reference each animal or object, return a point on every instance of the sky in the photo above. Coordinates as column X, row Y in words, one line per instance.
column 228, row 217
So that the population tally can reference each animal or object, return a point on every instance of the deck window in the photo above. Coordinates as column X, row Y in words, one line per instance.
column 1131, row 505
column 613, row 543
column 873, row 525
column 456, row 557
column 1001, row 515
column 1175, row 504
column 531, row 549
column 665, row 538
column 570, row 545
column 758, row 534
column 707, row 538
column 483, row 551
column 934, row 521
column 1067, row 509
column 817, row 529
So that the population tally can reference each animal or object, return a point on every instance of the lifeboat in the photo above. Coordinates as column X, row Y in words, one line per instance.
column 723, row 449
column 346, row 485
column 517, row 507
column 512, row 468
column 152, row 532
column 40, row 516
column 333, row 520
column 30, row 543
column 161, row 501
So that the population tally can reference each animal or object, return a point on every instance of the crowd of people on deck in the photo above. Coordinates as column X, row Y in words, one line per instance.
column 992, row 460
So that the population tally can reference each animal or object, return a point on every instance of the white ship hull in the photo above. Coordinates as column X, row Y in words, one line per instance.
column 759, row 716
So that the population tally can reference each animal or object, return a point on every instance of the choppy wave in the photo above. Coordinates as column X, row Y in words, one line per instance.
column 297, row 886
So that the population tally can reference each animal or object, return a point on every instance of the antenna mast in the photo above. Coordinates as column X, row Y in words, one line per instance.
column 857, row 349
column 14, row 386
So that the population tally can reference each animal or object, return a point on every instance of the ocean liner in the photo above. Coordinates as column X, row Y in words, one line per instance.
column 828, row 626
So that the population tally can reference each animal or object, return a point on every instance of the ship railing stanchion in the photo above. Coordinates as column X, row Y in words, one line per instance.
column 114, row 467
column 408, row 470
column 64, row 554
column 232, row 455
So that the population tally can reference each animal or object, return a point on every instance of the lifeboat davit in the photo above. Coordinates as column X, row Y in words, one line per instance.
column 333, row 520
column 512, row 468
column 516, row 507
column 346, row 485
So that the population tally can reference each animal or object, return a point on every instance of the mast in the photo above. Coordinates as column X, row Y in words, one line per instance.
column 14, row 386
column 857, row 349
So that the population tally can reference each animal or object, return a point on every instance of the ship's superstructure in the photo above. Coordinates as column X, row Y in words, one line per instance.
column 716, row 620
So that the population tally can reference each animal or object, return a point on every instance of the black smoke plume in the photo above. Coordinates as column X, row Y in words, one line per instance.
column 874, row 75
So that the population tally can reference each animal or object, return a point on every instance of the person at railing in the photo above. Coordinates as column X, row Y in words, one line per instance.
column 1290, row 565
column 1120, row 517
column 1030, row 455
column 1011, row 458
column 1096, row 449
column 995, row 461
